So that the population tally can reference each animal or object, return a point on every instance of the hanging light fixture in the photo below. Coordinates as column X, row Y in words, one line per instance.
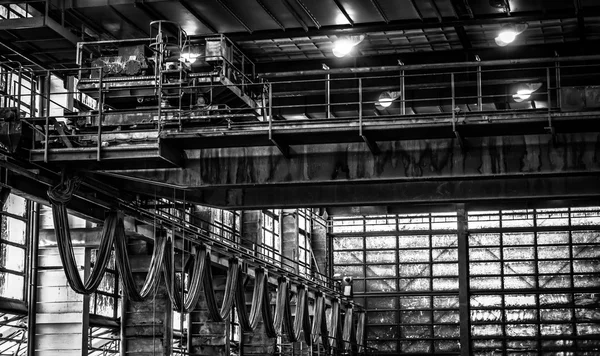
column 386, row 98
column 509, row 33
column 524, row 91
column 344, row 45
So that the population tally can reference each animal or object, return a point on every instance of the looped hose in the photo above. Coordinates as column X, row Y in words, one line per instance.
column 360, row 332
column 334, row 328
column 214, row 314
column 124, row 265
column 348, row 326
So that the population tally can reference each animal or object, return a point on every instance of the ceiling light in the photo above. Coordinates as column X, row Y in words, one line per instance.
column 509, row 33
column 386, row 98
column 524, row 91
column 344, row 45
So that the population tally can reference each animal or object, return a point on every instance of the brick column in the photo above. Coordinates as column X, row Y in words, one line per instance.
column 256, row 342
column 289, row 239
column 320, row 247
column 147, row 325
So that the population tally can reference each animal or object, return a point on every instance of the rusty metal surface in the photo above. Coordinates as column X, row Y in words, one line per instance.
column 416, row 159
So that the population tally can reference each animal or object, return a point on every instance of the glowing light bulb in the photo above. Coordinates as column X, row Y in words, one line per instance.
column 507, row 35
column 342, row 47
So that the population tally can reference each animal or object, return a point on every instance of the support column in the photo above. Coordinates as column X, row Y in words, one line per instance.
column 207, row 337
column 148, row 324
column 320, row 248
column 463, row 281
column 289, row 239
column 256, row 342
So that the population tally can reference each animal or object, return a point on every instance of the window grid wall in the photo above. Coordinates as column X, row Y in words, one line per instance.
column 271, row 235
column 534, row 280
column 304, row 241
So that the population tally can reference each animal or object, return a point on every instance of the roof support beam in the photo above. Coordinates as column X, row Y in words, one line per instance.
column 414, row 5
column 234, row 15
column 380, row 10
column 344, row 12
column 273, row 17
column 438, row 14
column 199, row 17
column 580, row 20
column 308, row 13
column 296, row 15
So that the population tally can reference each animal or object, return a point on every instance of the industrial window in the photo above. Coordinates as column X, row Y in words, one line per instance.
column 225, row 225
column 13, row 247
column 534, row 281
column 103, row 341
column 405, row 270
column 271, row 236
column 105, row 301
column 532, row 285
column 14, row 11
column 13, row 334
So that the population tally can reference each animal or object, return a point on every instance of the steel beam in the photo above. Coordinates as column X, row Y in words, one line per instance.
column 342, row 9
column 380, row 11
column 308, row 13
column 234, row 15
column 291, row 9
column 198, row 17
column 271, row 15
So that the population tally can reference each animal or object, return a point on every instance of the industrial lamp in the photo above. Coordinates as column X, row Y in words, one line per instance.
column 386, row 98
column 344, row 45
column 190, row 53
column 509, row 33
column 524, row 91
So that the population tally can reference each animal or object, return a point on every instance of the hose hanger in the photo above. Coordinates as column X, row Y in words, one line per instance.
column 124, row 265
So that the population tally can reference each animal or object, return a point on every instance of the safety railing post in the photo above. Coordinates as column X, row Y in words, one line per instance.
column 402, row 94
column 549, row 98
column 479, row 90
column 47, row 108
column 100, row 114
column 328, row 95
column 270, row 111
column 360, row 107
column 20, row 83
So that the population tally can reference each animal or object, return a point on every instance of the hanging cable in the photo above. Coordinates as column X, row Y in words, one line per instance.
column 249, row 323
column 199, row 269
column 360, row 331
column 214, row 314
column 334, row 328
column 59, row 196
column 319, row 325
column 124, row 265
column 240, row 306
column 267, row 316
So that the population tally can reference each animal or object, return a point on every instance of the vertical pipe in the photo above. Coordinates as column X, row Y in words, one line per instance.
column 100, row 114
column 33, row 277
column 360, row 107
column 47, row 108
column 402, row 93
column 463, row 281
column 328, row 89
column 479, row 90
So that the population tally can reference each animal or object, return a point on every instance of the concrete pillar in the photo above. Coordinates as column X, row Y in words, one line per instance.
column 251, row 229
column 147, row 325
column 62, row 315
column 320, row 248
column 256, row 342
column 289, row 240
column 208, row 337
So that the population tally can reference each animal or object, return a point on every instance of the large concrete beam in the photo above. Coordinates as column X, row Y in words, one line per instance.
column 417, row 171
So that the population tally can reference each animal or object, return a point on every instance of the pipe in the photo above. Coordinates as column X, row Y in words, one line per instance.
column 33, row 277
column 500, row 62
